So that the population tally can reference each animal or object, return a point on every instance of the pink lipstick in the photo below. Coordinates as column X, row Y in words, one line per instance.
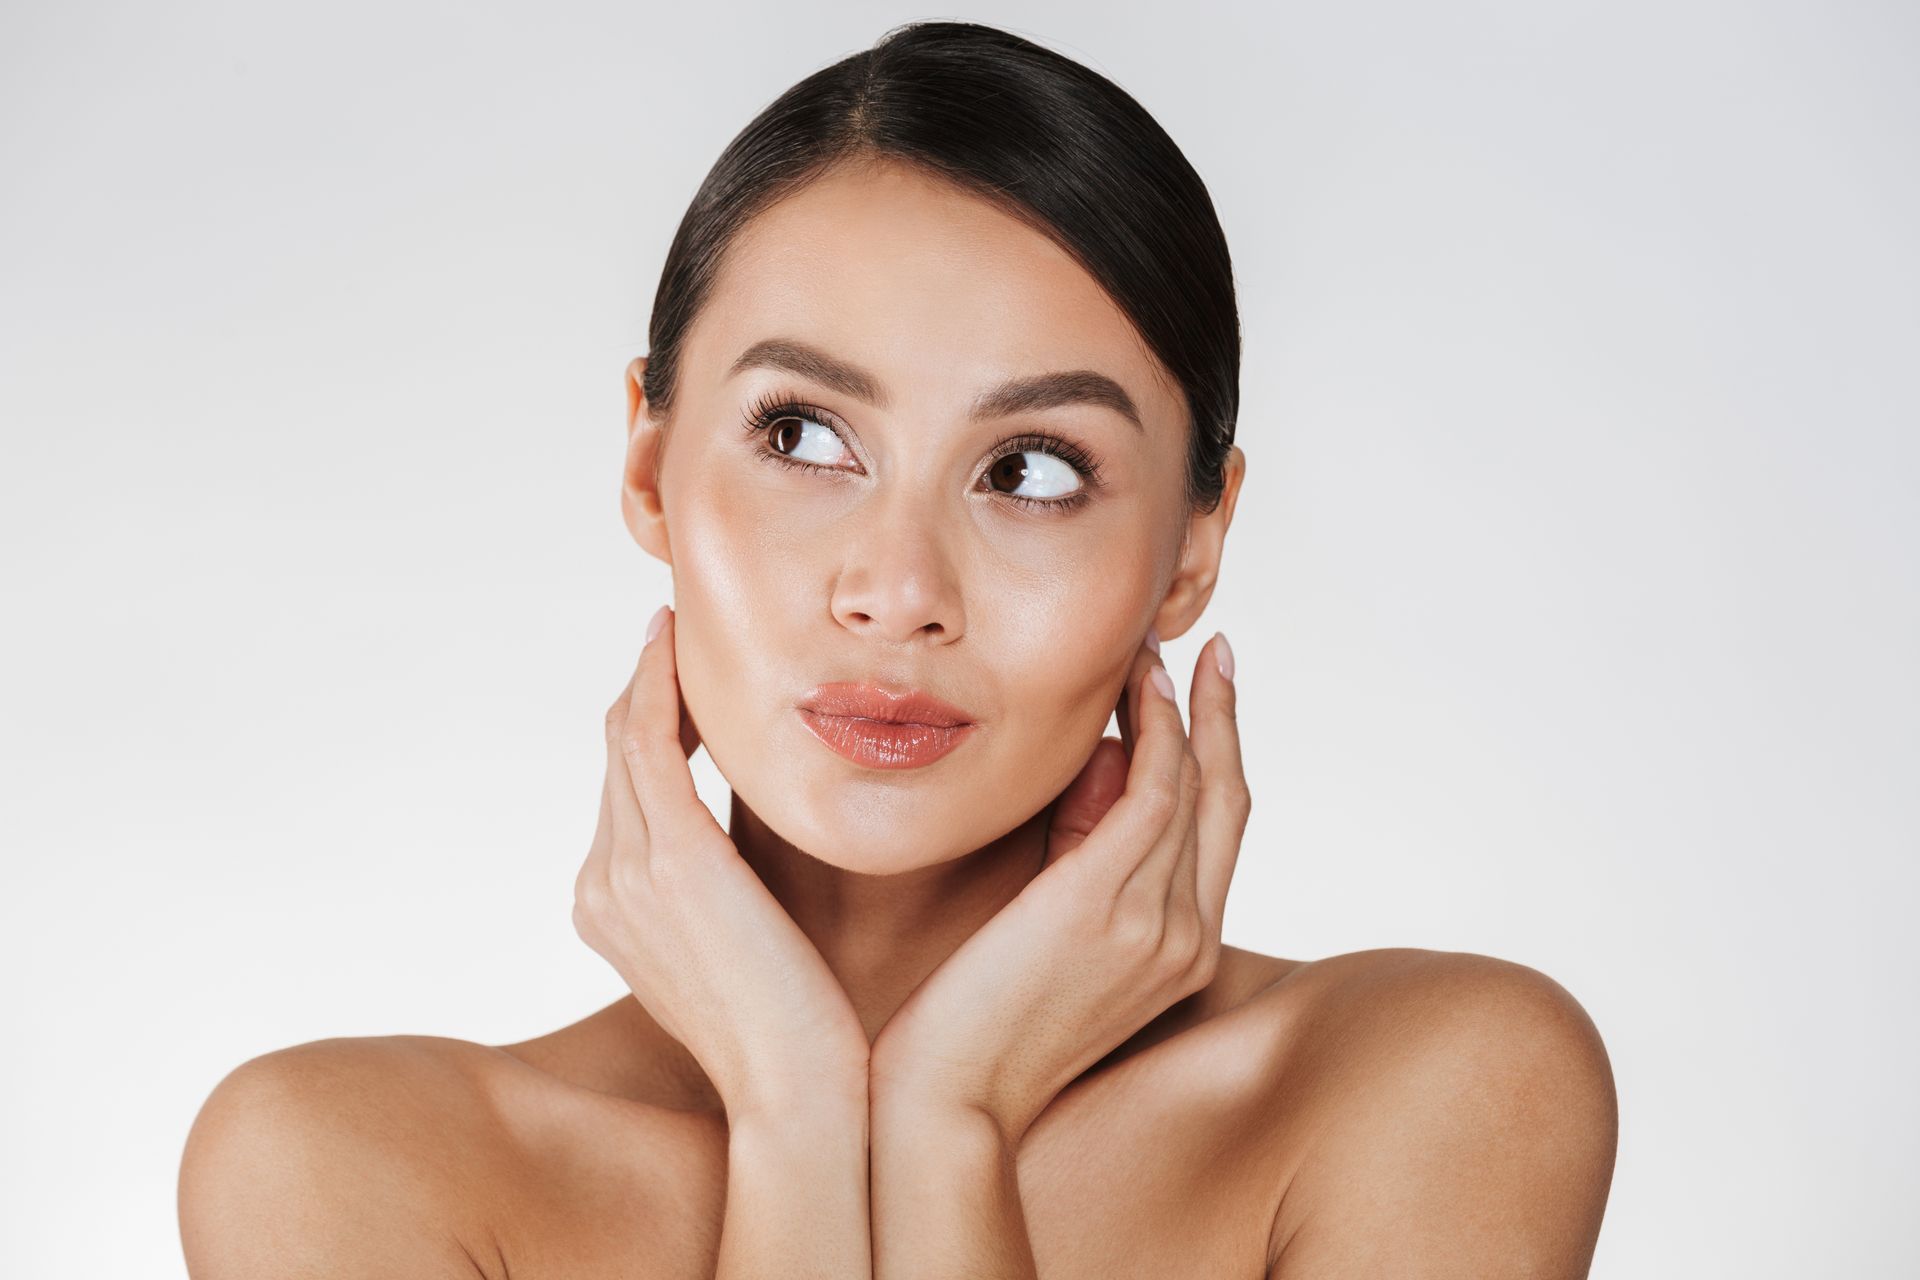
column 882, row 728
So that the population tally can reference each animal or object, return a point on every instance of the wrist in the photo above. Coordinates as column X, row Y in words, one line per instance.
column 804, row 1134
column 920, row 1107
column 899, row 1076
column 823, row 1101
column 910, row 1132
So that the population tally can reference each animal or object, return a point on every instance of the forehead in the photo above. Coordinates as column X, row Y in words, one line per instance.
column 936, row 290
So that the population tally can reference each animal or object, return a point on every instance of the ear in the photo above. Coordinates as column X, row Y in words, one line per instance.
column 1192, row 584
column 640, row 502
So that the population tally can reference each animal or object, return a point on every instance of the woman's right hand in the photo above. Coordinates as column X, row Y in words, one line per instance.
column 665, row 897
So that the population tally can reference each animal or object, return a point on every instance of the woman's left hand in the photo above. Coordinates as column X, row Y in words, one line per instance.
column 1122, row 920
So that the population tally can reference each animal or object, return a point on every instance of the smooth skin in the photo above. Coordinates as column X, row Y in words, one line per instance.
column 1124, row 919
column 972, row 1019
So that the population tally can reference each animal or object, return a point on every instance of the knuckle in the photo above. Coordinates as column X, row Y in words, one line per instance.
column 589, row 898
column 1234, row 796
column 585, row 922
column 1158, row 800
column 1137, row 929
column 666, row 875
column 1181, row 942
column 630, row 875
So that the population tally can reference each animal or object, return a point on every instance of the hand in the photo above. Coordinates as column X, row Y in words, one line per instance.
column 665, row 897
column 1122, row 921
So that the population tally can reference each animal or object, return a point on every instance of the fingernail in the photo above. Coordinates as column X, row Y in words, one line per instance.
column 658, row 621
column 1223, row 654
column 1153, row 639
column 1162, row 681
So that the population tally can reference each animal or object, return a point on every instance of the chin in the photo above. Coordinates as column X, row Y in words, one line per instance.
column 877, row 825
column 881, row 821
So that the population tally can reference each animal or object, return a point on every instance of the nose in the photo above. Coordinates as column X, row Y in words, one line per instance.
column 898, row 581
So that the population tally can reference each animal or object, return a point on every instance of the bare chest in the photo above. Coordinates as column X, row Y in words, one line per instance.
column 1153, row 1168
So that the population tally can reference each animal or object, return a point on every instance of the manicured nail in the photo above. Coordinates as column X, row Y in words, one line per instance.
column 658, row 621
column 1153, row 639
column 1162, row 681
column 1223, row 654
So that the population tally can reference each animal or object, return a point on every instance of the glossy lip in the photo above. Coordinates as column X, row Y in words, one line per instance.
column 894, row 705
column 884, row 728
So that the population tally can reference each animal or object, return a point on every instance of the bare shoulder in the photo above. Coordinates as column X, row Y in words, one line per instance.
column 1397, row 992
column 1434, row 1113
column 349, row 1154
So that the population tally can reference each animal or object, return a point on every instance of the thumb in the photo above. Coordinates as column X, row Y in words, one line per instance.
column 1087, row 798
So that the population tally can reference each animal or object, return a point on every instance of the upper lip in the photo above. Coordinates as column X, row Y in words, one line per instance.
column 896, row 704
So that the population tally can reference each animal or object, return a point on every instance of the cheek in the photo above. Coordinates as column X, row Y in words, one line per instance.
column 1067, row 642
column 1051, row 627
column 741, row 593
column 743, row 576
column 731, row 536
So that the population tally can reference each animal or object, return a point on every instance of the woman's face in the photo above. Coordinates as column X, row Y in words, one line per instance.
column 877, row 535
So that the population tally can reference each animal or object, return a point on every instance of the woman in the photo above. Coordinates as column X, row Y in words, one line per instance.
column 935, row 434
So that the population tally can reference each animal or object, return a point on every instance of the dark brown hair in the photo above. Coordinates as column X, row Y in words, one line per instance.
column 1052, row 142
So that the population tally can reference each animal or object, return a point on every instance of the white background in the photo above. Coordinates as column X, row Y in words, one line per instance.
column 1573, row 583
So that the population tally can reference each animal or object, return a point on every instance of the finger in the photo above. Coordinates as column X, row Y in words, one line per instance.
column 621, row 823
column 1183, row 877
column 1224, row 798
column 593, row 870
column 1166, row 868
column 1158, row 801
column 629, row 822
column 1127, row 711
column 654, row 742
column 1078, row 809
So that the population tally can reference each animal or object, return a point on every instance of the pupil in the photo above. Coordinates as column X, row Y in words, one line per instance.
column 780, row 434
column 1011, row 468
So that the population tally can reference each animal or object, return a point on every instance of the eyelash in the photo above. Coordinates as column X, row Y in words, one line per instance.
column 774, row 406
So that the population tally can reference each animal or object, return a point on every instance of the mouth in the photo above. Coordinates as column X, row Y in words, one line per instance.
column 884, row 728
column 896, row 705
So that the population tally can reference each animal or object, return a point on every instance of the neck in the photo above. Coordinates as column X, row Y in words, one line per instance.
column 881, row 935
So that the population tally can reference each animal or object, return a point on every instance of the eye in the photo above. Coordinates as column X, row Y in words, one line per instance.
column 1040, row 472
column 1043, row 473
column 1046, row 475
column 791, row 434
column 805, row 440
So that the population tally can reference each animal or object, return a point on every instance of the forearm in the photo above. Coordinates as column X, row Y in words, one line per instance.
column 797, row 1194
column 946, row 1201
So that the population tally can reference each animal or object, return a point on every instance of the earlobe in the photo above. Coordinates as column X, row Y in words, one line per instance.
column 1184, row 603
column 640, row 504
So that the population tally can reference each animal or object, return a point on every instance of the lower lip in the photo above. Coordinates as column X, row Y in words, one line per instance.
column 878, row 744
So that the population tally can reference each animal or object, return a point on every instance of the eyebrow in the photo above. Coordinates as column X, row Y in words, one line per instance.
column 1016, row 395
